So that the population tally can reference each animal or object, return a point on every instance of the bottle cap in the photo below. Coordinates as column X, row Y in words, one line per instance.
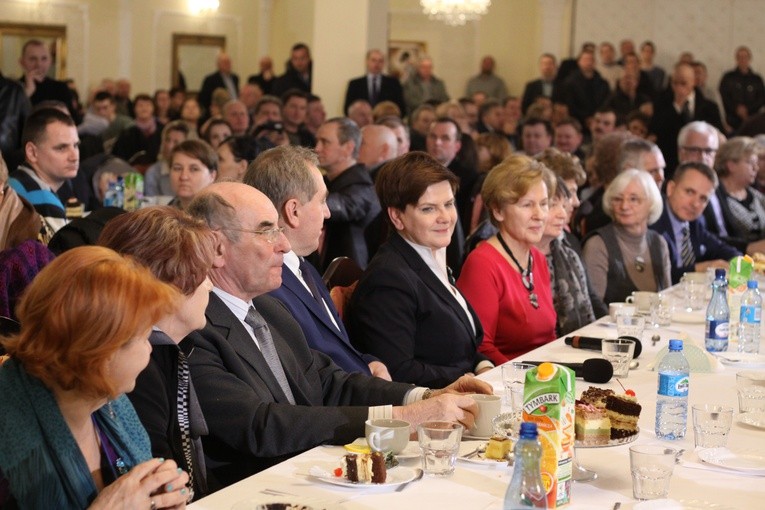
column 675, row 345
column 528, row 430
column 751, row 284
column 545, row 371
column 719, row 273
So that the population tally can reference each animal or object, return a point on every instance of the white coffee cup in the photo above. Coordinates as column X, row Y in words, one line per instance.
column 617, row 308
column 643, row 300
column 384, row 435
column 489, row 406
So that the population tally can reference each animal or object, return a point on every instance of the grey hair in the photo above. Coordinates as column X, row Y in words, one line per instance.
column 623, row 180
column 734, row 149
column 698, row 126
column 631, row 152
column 217, row 212
column 282, row 173
column 347, row 130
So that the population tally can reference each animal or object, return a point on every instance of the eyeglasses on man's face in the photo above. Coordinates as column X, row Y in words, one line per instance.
column 698, row 151
column 271, row 235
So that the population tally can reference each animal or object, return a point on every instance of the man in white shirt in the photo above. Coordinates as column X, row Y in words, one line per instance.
column 266, row 395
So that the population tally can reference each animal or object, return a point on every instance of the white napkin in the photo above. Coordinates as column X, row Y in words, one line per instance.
column 699, row 359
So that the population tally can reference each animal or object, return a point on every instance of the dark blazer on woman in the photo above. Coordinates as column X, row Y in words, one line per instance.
column 401, row 313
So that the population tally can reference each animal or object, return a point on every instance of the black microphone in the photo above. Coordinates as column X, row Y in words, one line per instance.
column 593, row 344
column 594, row 370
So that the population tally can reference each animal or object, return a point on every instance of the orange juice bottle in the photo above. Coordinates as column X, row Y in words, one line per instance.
column 548, row 401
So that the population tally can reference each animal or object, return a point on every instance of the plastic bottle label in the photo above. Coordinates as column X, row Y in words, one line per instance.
column 751, row 314
column 718, row 330
column 673, row 385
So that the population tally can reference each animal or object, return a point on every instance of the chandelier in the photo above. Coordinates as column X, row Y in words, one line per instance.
column 455, row 12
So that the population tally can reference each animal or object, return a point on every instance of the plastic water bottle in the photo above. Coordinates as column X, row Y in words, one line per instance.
column 718, row 315
column 672, row 395
column 749, row 323
column 115, row 194
column 526, row 489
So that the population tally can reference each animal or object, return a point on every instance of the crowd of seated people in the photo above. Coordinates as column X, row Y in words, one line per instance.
column 482, row 227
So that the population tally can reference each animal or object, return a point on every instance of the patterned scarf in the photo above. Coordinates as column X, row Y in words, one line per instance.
column 569, row 287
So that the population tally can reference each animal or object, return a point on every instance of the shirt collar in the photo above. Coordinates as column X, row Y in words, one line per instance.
column 238, row 307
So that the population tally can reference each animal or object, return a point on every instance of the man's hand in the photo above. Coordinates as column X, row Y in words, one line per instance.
column 466, row 384
column 378, row 369
column 457, row 408
column 29, row 84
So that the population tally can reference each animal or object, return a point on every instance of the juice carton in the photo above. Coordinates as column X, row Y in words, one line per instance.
column 548, row 400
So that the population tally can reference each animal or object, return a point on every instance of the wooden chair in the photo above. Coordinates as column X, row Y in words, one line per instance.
column 341, row 277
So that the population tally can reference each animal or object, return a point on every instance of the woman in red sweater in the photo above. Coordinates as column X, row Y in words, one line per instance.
column 505, row 278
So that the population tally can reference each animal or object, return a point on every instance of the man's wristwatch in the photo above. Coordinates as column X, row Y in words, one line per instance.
column 428, row 393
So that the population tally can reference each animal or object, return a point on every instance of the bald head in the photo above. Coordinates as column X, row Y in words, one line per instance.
column 378, row 145
column 249, row 246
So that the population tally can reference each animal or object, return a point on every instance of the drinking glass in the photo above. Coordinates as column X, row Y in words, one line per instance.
column 630, row 326
column 651, row 467
column 619, row 352
column 751, row 391
column 711, row 425
column 439, row 442
column 513, row 378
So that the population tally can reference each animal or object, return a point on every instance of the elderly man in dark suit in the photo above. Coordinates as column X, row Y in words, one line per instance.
column 264, row 393
column 374, row 86
column 691, row 246
column 222, row 78
column 302, row 206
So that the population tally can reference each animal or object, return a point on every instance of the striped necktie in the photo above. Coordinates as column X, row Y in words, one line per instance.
column 687, row 256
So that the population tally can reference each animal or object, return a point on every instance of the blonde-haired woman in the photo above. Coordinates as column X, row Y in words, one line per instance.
column 506, row 278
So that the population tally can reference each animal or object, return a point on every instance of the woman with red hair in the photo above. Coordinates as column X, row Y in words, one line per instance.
column 69, row 438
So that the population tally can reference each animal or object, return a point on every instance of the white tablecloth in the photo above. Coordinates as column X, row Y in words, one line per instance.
column 483, row 487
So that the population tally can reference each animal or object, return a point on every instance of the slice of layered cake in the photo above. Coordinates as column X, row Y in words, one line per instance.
column 596, row 397
column 623, row 411
column 364, row 467
column 591, row 425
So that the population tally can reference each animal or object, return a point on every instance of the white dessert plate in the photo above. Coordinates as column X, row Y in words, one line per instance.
column 741, row 359
column 689, row 317
column 468, row 437
column 396, row 476
column 479, row 458
column 612, row 442
column 751, row 463
column 756, row 419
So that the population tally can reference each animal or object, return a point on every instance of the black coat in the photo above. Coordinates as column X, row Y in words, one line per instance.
column 390, row 90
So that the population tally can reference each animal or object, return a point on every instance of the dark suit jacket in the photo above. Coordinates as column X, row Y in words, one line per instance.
column 353, row 205
column 251, row 424
column 403, row 314
column 210, row 83
column 706, row 246
column 390, row 90
column 532, row 91
column 584, row 95
column 666, row 124
column 291, row 80
column 317, row 327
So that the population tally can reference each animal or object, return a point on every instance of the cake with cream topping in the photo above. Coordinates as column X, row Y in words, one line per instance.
column 591, row 425
column 623, row 411
column 364, row 467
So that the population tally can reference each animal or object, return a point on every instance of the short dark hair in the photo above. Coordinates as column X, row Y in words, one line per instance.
column 449, row 120
column 38, row 121
column 534, row 121
column 403, row 180
column 267, row 99
column 488, row 105
column 200, row 150
column 312, row 98
column 294, row 92
column 301, row 46
column 242, row 147
column 570, row 121
column 143, row 97
column 103, row 95
column 211, row 124
column 701, row 168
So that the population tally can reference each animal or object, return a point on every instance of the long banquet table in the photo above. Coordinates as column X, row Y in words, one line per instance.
column 474, row 486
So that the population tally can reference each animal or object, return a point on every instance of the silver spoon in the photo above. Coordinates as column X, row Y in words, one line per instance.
column 634, row 364
column 418, row 476
column 654, row 340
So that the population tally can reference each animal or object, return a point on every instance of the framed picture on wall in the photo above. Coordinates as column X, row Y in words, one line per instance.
column 403, row 57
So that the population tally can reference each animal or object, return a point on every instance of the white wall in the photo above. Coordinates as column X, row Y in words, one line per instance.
column 710, row 29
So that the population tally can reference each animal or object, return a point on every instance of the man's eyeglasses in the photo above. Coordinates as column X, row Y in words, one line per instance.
column 631, row 200
column 699, row 150
column 271, row 235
